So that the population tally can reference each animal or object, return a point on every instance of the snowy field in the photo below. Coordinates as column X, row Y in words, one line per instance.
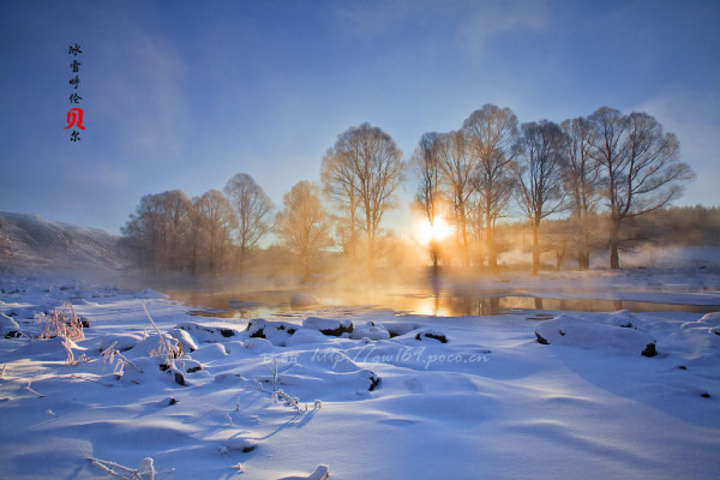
column 359, row 393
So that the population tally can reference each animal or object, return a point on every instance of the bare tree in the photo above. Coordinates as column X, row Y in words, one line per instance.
column 340, row 185
column 539, row 175
column 456, row 171
column 490, row 133
column 641, row 167
column 426, row 164
column 159, row 231
column 582, row 176
column 252, row 207
column 365, row 166
column 304, row 224
column 214, row 222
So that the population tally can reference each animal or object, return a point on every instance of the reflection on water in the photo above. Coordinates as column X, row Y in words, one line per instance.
column 278, row 303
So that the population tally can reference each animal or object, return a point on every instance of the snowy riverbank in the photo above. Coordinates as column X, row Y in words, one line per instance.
column 397, row 397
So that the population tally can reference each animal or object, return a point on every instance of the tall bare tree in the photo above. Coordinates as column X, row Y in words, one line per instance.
column 641, row 167
column 539, row 175
column 303, row 224
column 366, row 167
column 582, row 175
column 252, row 207
column 340, row 186
column 215, row 221
column 456, row 171
column 490, row 133
column 426, row 164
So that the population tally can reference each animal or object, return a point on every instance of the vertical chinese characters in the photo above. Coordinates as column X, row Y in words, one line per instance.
column 75, row 115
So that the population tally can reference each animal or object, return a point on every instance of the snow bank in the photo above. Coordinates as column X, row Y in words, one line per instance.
column 571, row 331
column 372, row 331
column 150, row 294
column 329, row 326
column 400, row 405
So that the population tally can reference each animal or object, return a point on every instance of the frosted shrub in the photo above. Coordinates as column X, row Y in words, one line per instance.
column 64, row 323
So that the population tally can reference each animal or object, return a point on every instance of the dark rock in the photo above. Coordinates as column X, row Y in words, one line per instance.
column 226, row 332
column 374, row 382
column 13, row 334
column 336, row 332
column 259, row 333
column 705, row 395
column 172, row 401
column 194, row 369
column 439, row 338
column 329, row 327
column 541, row 340
column 179, row 379
column 649, row 351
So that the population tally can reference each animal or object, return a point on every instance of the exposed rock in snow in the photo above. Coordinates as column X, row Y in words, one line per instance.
column 372, row 331
column 305, row 336
column 571, row 331
column 425, row 334
column 186, row 341
column 207, row 333
column 9, row 328
column 276, row 333
column 401, row 328
column 327, row 326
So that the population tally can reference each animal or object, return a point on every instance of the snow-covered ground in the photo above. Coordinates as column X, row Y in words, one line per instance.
column 575, row 395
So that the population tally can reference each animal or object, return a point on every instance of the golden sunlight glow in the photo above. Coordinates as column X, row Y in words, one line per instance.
column 439, row 230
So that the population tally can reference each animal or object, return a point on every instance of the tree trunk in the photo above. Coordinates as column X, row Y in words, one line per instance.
column 583, row 252
column 465, row 245
column 491, row 254
column 536, row 248
column 614, row 256
column 583, row 258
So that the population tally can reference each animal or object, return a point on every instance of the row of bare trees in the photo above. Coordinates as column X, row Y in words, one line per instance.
column 607, row 164
column 171, row 232
column 622, row 166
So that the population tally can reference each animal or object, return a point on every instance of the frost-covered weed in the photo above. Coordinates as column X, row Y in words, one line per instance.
column 277, row 394
column 165, row 350
column 121, row 362
column 146, row 470
column 66, row 325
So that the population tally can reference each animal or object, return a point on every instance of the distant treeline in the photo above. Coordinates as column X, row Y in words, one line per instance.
column 601, row 182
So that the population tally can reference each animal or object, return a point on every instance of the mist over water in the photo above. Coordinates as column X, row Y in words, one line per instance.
column 242, row 304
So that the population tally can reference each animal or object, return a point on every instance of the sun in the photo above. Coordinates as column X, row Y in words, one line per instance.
column 438, row 230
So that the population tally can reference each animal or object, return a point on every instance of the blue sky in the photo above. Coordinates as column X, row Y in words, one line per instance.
column 181, row 94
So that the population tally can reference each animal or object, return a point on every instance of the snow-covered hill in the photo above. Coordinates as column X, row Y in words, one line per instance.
column 29, row 243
